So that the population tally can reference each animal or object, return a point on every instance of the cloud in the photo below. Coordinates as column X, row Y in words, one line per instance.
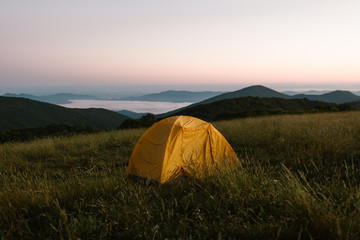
column 135, row 106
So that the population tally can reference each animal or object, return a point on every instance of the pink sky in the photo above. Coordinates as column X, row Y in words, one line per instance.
column 181, row 42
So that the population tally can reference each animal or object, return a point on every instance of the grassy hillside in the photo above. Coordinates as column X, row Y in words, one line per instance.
column 254, row 106
column 300, row 180
column 24, row 113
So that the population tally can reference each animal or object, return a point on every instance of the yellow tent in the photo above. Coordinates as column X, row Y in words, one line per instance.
column 180, row 145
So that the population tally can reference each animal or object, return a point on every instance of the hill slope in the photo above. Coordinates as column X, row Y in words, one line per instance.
column 299, row 180
column 254, row 106
column 23, row 113
column 174, row 96
column 60, row 98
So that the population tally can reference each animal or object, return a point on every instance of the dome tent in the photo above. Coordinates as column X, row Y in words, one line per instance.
column 180, row 145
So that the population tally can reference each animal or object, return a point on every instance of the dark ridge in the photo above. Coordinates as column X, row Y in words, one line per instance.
column 25, row 113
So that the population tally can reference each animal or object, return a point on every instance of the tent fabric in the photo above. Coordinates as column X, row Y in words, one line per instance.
column 180, row 145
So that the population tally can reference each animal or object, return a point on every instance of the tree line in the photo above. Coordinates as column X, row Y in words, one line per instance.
column 29, row 134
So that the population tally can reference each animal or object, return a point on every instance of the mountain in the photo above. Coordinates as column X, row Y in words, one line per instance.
column 337, row 97
column 290, row 93
column 173, row 96
column 131, row 114
column 332, row 97
column 24, row 113
column 60, row 98
column 255, row 106
column 252, row 91
column 261, row 91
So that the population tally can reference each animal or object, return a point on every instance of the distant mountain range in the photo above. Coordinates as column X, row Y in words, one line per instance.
column 332, row 97
column 173, row 96
column 60, row 98
column 261, row 91
column 23, row 113
column 204, row 97
column 313, row 92
column 337, row 97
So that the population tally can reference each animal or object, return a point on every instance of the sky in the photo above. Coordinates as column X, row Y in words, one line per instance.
column 202, row 42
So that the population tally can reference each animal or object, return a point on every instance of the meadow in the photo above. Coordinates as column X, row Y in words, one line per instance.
column 299, row 180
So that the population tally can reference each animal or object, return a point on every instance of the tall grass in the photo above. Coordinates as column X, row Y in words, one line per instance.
column 299, row 180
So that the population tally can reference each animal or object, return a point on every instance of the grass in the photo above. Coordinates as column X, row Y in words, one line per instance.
column 299, row 180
